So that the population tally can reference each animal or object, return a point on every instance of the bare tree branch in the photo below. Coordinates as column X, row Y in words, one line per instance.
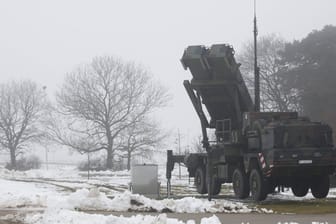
column 22, row 114
column 102, row 99
column 140, row 139
column 275, row 96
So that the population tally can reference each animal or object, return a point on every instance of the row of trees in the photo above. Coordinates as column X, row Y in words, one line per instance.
column 105, row 105
column 296, row 76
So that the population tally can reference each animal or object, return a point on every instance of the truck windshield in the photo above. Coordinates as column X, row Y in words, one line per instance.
column 302, row 136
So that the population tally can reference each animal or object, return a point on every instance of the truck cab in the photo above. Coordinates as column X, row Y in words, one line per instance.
column 292, row 151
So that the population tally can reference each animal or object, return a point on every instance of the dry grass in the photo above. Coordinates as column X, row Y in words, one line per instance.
column 313, row 206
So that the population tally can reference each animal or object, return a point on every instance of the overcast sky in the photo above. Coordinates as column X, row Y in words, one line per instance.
column 42, row 40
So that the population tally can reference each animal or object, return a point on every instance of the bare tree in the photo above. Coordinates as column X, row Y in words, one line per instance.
column 140, row 139
column 275, row 93
column 102, row 99
column 197, row 145
column 22, row 113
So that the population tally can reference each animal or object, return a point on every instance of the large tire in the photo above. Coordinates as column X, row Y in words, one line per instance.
column 200, row 181
column 320, row 186
column 240, row 184
column 258, row 186
column 216, row 187
column 300, row 189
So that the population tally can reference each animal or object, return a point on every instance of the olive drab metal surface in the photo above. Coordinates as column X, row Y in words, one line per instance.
column 218, row 81
column 255, row 151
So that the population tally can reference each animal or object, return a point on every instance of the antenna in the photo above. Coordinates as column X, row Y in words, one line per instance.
column 256, row 68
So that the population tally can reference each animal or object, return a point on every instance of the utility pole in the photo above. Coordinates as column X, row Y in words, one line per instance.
column 44, row 88
column 46, row 157
column 179, row 149
column 256, row 68
column 88, row 171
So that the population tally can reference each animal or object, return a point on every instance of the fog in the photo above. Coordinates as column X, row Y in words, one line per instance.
column 43, row 40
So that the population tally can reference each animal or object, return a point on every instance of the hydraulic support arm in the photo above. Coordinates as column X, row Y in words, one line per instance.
column 196, row 101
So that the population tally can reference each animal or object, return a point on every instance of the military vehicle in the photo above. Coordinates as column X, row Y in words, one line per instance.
column 255, row 151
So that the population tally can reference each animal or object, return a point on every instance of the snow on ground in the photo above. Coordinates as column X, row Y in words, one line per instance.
column 65, row 195
column 66, row 173
column 22, row 194
column 18, row 195
column 95, row 200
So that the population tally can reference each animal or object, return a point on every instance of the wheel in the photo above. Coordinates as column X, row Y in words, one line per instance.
column 240, row 184
column 216, row 187
column 200, row 181
column 258, row 186
column 320, row 186
column 300, row 189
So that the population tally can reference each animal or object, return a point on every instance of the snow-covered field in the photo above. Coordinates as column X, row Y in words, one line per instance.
column 66, row 196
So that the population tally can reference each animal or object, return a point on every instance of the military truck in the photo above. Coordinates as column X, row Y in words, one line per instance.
column 255, row 151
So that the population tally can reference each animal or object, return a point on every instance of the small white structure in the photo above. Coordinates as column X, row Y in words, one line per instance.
column 144, row 180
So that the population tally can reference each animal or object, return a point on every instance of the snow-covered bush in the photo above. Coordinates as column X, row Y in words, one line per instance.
column 26, row 163
column 97, row 164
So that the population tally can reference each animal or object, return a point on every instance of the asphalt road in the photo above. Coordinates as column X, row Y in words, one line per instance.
column 249, row 218
column 252, row 218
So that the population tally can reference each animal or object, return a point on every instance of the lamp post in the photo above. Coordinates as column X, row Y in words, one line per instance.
column 46, row 148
